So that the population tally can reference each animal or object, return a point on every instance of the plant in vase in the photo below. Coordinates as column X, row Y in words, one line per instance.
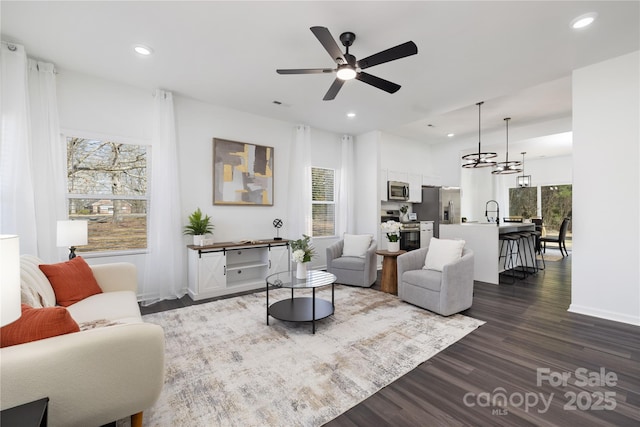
column 403, row 210
column 392, row 229
column 302, row 254
column 198, row 226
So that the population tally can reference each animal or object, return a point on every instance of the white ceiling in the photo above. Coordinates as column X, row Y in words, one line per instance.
column 517, row 56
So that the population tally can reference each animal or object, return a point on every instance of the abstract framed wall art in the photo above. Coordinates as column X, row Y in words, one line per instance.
column 242, row 173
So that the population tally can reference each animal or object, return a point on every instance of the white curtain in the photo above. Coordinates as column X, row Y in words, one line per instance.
column 49, row 158
column 32, row 159
column 345, row 214
column 164, row 276
column 299, row 207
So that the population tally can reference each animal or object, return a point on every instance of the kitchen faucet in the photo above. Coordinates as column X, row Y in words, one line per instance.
column 497, row 211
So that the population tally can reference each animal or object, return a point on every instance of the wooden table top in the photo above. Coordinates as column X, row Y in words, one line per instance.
column 391, row 254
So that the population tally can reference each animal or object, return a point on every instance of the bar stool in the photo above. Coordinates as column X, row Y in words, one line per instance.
column 538, row 241
column 511, row 250
column 527, row 241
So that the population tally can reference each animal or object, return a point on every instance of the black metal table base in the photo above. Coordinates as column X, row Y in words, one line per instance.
column 301, row 309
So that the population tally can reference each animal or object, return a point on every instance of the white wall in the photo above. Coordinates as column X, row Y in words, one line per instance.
column 326, row 152
column 87, row 103
column 405, row 155
column 367, row 198
column 606, row 190
column 103, row 108
column 197, row 123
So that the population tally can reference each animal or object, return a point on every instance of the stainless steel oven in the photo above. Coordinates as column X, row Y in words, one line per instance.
column 410, row 237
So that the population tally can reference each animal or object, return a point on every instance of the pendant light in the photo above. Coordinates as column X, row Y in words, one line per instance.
column 507, row 167
column 523, row 180
column 479, row 159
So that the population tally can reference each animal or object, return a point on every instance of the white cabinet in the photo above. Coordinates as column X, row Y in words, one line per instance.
column 398, row 176
column 279, row 259
column 415, row 187
column 226, row 268
column 206, row 274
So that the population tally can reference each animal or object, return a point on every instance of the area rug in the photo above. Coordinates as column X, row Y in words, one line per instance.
column 226, row 367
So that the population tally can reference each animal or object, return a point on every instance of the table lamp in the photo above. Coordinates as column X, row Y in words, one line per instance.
column 9, row 279
column 71, row 233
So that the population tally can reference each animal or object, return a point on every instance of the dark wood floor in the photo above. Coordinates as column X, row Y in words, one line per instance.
column 528, row 328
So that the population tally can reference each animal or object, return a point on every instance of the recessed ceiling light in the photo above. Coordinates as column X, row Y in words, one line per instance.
column 351, row 115
column 583, row 20
column 451, row 135
column 143, row 50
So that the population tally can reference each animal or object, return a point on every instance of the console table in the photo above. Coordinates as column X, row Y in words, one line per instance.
column 229, row 267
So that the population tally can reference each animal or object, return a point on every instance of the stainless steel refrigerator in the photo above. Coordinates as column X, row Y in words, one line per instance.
column 440, row 205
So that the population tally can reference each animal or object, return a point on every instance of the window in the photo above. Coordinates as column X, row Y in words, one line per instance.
column 523, row 201
column 323, row 204
column 107, row 186
column 556, row 205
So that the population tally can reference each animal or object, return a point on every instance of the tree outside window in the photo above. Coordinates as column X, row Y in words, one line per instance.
column 556, row 205
column 107, row 186
column 523, row 202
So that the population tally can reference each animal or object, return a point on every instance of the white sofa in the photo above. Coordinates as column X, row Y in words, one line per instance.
column 95, row 376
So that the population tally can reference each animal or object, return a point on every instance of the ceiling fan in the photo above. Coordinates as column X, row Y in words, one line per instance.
column 348, row 67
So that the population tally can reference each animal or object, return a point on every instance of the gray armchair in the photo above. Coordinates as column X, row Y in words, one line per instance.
column 446, row 293
column 353, row 270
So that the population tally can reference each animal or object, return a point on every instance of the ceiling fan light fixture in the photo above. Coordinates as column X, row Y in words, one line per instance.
column 346, row 72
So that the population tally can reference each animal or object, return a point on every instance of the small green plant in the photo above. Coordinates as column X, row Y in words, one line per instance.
column 198, row 225
column 303, row 251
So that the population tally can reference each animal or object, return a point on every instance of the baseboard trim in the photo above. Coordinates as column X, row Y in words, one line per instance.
column 604, row 314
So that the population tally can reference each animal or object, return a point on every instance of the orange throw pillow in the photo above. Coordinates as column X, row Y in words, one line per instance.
column 72, row 281
column 36, row 324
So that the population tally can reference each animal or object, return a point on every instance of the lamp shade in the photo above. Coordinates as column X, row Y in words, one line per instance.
column 9, row 279
column 72, row 233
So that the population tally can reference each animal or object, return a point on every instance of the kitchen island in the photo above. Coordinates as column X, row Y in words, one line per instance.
column 484, row 240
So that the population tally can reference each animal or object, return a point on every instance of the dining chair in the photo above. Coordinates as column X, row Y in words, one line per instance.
column 560, row 239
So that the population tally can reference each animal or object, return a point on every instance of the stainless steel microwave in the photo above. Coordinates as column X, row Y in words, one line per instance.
column 398, row 190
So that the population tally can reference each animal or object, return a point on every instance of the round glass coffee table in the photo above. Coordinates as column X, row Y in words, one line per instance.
column 301, row 309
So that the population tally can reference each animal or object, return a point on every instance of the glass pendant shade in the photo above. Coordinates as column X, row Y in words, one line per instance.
column 479, row 159
column 507, row 167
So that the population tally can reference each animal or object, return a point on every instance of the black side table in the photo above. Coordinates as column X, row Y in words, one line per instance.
column 32, row 414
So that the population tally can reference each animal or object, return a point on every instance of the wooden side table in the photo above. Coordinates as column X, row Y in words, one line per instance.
column 389, row 282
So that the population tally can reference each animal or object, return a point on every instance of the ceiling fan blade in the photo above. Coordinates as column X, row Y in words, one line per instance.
column 391, row 54
column 306, row 71
column 383, row 84
column 333, row 90
column 328, row 42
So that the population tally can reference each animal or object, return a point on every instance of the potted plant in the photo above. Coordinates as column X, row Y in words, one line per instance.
column 404, row 209
column 392, row 229
column 198, row 226
column 302, row 253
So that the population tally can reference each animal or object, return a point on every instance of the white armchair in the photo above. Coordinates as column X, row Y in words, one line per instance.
column 353, row 270
column 444, row 292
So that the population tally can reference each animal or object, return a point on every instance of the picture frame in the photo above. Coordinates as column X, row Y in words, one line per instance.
column 242, row 173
